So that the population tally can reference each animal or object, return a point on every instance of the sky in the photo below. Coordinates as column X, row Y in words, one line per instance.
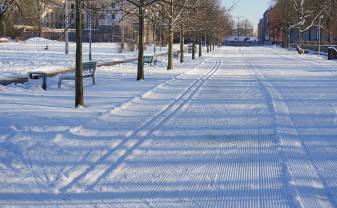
column 248, row 9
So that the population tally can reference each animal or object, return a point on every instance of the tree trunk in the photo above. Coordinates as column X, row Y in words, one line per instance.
column 299, row 41
column 213, row 37
column 140, row 72
column 200, row 45
column 207, row 43
column 219, row 41
column 154, row 38
column 79, row 68
column 170, row 49
column 170, row 39
column 182, row 40
column 122, row 30
column 193, row 46
column 2, row 25
column 39, row 17
column 160, row 39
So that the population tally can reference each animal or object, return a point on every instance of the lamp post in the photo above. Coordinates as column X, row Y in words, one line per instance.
column 90, row 34
column 289, row 36
column 319, row 34
column 238, row 27
column 66, row 27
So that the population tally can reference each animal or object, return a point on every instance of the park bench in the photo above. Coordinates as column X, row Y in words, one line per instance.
column 89, row 70
column 150, row 59
column 332, row 53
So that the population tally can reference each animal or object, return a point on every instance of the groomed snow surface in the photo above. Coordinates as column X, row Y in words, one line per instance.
column 241, row 127
column 18, row 58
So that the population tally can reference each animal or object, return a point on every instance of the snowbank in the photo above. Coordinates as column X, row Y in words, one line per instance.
column 4, row 40
column 40, row 40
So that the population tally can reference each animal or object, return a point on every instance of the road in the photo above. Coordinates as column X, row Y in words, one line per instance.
column 248, row 127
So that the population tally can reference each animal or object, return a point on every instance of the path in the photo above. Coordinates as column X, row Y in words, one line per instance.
column 250, row 127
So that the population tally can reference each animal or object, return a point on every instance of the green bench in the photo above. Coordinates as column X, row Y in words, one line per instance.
column 89, row 70
column 150, row 59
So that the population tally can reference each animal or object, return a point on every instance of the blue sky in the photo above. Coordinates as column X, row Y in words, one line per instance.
column 250, row 9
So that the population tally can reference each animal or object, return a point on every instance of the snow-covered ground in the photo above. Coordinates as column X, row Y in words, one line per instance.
column 241, row 127
column 17, row 58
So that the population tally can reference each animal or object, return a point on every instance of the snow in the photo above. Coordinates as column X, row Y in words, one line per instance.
column 2, row 40
column 40, row 40
column 241, row 127
column 18, row 58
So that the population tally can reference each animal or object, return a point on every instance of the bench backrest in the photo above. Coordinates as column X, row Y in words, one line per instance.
column 147, row 58
column 90, row 67
column 333, row 48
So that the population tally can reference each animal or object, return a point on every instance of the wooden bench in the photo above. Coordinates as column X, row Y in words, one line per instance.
column 89, row 70
column 150, row 59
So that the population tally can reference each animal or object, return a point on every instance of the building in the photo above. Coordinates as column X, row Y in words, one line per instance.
column 270, row 27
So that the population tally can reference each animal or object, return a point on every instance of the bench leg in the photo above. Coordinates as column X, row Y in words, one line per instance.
column 59, row 83
column 93, row 80
column 44, row 83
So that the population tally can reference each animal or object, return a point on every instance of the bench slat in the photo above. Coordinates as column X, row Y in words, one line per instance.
column 89, row 69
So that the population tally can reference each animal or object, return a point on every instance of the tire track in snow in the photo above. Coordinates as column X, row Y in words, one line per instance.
column 290, row 142
column 92, row 175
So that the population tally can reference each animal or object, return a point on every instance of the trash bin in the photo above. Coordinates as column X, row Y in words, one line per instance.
column 332, row 53
column 37, row 78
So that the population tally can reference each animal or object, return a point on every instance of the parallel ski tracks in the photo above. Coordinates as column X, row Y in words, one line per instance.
column 272, row 94
column 138, row 136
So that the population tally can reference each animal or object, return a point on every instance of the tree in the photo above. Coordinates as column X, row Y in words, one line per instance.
column 5, row 5
column 140, row 5
column 303, row 14
column 79, row 101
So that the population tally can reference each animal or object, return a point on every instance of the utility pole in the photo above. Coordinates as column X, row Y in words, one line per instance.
column 66, row 27
column 238, row 27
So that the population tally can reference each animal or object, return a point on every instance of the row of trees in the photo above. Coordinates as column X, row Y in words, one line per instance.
column 302, row 15
column 199, row 19
column 29, row 11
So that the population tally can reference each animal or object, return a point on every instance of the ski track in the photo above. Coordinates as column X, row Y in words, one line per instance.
column 293, row 144
column 136, row 136
column 239, row 130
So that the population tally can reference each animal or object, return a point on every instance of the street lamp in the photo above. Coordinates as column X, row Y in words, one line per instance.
column 319, row 34
column 90, row 35
column 238, row 27
column 66, row 27
column 289, row 36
